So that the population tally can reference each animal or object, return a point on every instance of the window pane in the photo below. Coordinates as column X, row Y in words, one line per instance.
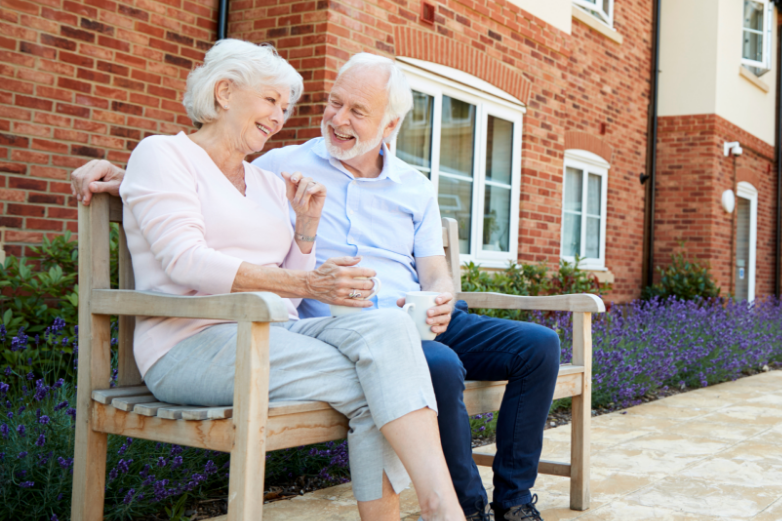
column 571, row 243
column 593, row 194
column 457, row 137
column 496, row 219
column 414, row 143
column 455, row 199
column 499, row 150
column 573, row 189
column 753, row 41
column 593, row 238
column 753, row 15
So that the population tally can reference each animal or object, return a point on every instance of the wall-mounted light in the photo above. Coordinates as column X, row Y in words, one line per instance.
column 728, row 201
column 732, row 147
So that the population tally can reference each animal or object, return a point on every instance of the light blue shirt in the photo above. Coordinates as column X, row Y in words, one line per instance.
column 389, row 220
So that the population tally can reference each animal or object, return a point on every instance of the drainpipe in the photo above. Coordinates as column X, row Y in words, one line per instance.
column 222, row 20
column 651, row 151
column 778, row 264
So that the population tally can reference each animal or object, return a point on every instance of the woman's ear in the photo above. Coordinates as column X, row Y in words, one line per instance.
column 223, row 91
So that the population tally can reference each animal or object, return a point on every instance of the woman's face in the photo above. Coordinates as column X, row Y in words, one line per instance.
column 254, row 115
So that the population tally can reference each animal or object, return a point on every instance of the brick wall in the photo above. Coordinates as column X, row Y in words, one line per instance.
column 692, row 175
column 580, row 82
column 81, row 80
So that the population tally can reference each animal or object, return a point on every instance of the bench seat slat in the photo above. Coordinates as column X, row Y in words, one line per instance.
column 127, row 404
column 105, row 396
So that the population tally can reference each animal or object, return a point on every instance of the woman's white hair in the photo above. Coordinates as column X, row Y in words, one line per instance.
column 400, row 97
column 244, row 63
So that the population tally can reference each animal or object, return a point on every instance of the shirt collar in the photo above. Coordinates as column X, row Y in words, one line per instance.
column 388, row 160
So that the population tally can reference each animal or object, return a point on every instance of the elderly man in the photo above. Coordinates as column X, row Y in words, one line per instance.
column 383, row 210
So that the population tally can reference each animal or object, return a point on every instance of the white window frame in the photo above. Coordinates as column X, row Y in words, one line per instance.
column 436, row 81
column 589, row 163
column 592, row 7
column 747, row 191
column 768, row 35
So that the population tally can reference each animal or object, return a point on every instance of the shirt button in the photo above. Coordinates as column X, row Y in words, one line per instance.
column 352, row 182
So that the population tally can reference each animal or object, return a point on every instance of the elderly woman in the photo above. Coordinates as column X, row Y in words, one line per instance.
column 200, row 220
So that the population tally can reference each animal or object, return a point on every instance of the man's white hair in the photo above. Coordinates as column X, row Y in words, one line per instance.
column 244, row 63
column 400, row 97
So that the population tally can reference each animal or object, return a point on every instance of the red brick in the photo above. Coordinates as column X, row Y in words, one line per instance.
column 126, row 108
column 80, row 86
column 71, row 135
column 134, row 13
column 72, row 110
column 113, row 68
column 14, row 141
column 87, row 151
column 80, row 9
column 106, row 41
column 76, row 34
column 27, row 156
column 92, row 25
column 11, row 222
column 45, row 199
column 44, row 224
column 77, row 59
column 12, row 195
column 28, row 128
column 62, row 213
column 86, row 74
column 37, row 50
column 20, row 5
column 52, row 120
column 48, row 172
column 49, row 92
column 26, row 184
column 50, row 146
column 33, row 103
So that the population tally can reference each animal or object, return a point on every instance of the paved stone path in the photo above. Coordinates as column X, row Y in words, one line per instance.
column 714, row 453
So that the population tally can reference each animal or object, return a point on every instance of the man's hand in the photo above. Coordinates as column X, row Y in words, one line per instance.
column 95, row 177
column 439, row 316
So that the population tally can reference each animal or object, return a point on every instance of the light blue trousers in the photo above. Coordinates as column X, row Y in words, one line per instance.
column 369, row 366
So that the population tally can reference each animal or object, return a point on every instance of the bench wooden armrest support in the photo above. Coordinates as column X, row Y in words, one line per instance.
column 237, row 307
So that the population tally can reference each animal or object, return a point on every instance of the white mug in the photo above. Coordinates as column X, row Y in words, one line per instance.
column 338, row 311
column 417, row 303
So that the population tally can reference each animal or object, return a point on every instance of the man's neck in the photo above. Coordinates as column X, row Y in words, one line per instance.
column 368, row 165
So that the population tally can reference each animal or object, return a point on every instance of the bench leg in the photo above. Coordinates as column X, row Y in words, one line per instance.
column 89, row 471
column 581, row 414
column 251, row 408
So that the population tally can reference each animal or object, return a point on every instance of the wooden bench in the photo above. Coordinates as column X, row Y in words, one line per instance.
column 253, row 425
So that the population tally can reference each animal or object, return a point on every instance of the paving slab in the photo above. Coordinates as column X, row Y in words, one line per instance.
column 710, row 454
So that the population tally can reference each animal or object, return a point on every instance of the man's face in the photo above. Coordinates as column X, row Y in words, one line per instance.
column 354, row 121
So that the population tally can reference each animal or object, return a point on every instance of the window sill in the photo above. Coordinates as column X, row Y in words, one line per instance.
column 593, row 23
column 754, row 80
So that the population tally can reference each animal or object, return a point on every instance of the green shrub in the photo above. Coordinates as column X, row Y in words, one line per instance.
column 684, row 280
column 44, row 286
column 530, row 280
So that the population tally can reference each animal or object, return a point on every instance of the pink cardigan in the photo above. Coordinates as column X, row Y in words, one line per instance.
column 189, row 229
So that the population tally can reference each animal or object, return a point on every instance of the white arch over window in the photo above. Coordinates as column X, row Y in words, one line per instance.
column 745, row 190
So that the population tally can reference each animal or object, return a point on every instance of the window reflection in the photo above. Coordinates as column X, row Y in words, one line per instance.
column 414, row 142
column 457, row 137
column 497, row 199
column 455, row 199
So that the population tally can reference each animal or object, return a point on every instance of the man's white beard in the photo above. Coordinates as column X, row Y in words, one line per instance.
column 359, row 147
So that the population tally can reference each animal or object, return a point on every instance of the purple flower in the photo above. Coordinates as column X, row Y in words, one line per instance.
column 65, row 462
column 176, row 462
column 41, row 441
column 21, row 430
column 21, row 409
column 123, row 466
column 22, row 455
column 4, row 388
column 113, row 474
column 59, row 383
column 161, row 461
column 30, row 375
column 54, row 516
column 129, row 496
column 10, row 415
column 43, row 420
column 7, row 371
column 61, row 405
column 4, row 430
column 27, row 484
column 71, row 412
column 210, row 468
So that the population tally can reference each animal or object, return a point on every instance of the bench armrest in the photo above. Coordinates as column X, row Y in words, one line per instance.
column 582, row 302
column 236, row 307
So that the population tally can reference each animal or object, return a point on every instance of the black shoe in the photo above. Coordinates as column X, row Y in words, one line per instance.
column 484, row 514
column 526, row 512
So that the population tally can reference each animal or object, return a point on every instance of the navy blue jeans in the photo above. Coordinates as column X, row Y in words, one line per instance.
column 482, row 348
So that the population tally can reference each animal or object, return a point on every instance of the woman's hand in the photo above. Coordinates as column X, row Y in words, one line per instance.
column 305, row 195
column 95, row 177
column 335, row 279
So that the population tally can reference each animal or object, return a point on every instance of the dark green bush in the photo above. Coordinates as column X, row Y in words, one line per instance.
column 684, row 280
